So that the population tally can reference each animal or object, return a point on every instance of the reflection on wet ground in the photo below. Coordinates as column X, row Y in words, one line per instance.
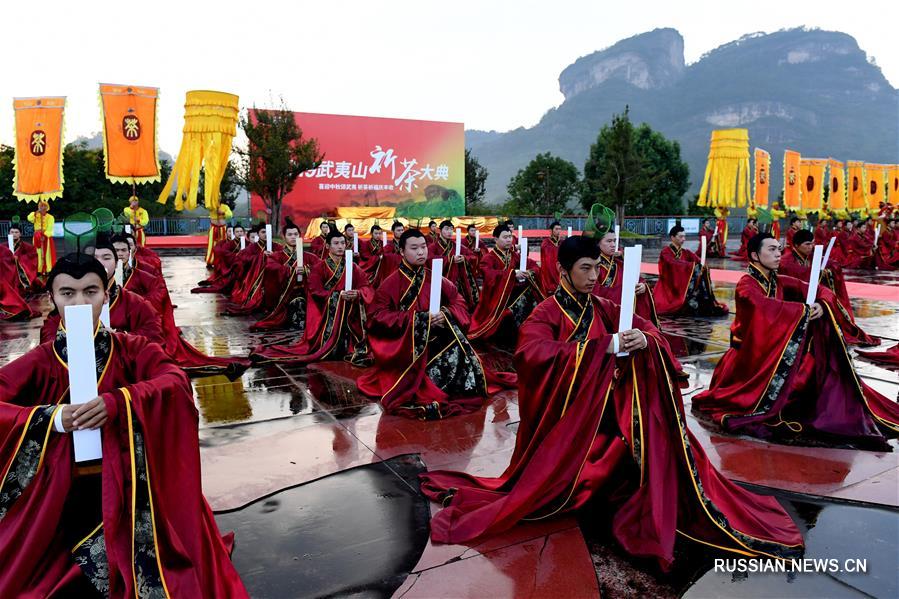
column 280, row 426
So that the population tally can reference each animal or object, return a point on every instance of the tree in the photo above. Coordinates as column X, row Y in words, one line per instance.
column 276, row 155
column 475, row 181
column 544, row 186
column 86, row 187
column 634, row 170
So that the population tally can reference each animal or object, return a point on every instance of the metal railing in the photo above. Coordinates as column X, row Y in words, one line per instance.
column 640, row 225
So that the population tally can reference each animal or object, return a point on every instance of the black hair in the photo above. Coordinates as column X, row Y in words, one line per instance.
column 396, row 224
column 554, row 224
column 432, row 223
column 409, row 235
column 794, row 219
column 374, row 227
column 334, row 234
column 104, row 242
column 803, row 236
column 509, row 222
column 15, row 226
column 446, row 223
column 675, row 230
column 348, row 225
column 324, row 222
column 499, row 230
column 119, row 238
column 576, row 247
column 240, row 226
column 754, row 246
column 472, row 226
column 77, row 266
column 288, row 225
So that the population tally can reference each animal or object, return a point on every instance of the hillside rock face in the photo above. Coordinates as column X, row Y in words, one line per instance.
column 647, row 61
column 808, row 90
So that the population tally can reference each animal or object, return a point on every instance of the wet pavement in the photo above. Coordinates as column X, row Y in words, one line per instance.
column 281, row 426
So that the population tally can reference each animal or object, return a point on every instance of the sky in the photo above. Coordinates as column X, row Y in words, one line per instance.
column 491, row 64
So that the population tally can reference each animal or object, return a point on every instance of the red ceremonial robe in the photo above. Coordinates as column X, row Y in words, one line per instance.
column 713, row 243
column 822, row 235
column 147, row 257
column 886, row 256
column 609, row 286
column 319, row 247
column 249, row 276
column 128, row 313
column 135, row 525
column 601, row 429
column 469, row 241
column 505, row 303
column 785, row 374
column 12, row 304
column 265, row 281
column 290, row 309
column 461, row 274
column 859, row 251
column 26, row 260
column 149, row 287
column 793, row 264
column 225, row 261
column 549, row 273
column 888, row 358
column 335, row 327
column 684, row 285
column 748, row 233
column 422, row 371
column 370, row 253
column 790, row 232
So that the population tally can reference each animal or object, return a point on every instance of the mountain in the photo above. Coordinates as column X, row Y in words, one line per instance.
column 808, row 90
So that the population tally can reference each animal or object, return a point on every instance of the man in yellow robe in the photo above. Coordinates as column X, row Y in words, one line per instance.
column 43, row 223
column 138, row 218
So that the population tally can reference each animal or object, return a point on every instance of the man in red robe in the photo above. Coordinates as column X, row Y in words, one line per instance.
column 549, row 254
column 224, row 265
column 26, row 262
column 393, row 256
column 460, row 270
column 135, row 524
column 284, row 283
column 318, row 245
column 433, row 233
column 609, row 432
column 796, row 224
column 713, row 238
column 12, row 303
column 859, row 248
column 684, row 285
column 822, row 232
column 508, row 295
column 886, row 255
column 749, row 231
column 608, row 285
column 335, row 318
column 146, row 285
column 425, row 366
column 796, row 263
column 787, row 371
column 144, row 257
column 371, row 251
column 473, row 242
column 128, row 312
column 263, row 277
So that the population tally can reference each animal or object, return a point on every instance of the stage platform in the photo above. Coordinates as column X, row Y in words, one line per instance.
column 321, row 485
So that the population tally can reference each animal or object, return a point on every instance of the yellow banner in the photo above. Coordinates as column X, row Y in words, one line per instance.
column 836, row 199
column 792, row 186
column 130, row 148
column 893, row 184
column 485, row 224
column 855, row 185
column 39, row 146
column 762, row 177
column 210, row 123
column 874, row 185
column 366, row 211
column 726, row 181
column 811, row 176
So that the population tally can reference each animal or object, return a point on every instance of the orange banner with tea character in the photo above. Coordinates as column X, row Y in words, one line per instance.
column 39, row 145
column 836, row 199
column 792, row 186
column 130, row 149
column 855, row 184
column 762, row 177
column 893, row 184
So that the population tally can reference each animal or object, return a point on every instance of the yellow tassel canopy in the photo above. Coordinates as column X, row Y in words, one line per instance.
column 210, row 123
column 726, row 181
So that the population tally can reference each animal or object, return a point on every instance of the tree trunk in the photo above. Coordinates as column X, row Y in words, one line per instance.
column 275, row 217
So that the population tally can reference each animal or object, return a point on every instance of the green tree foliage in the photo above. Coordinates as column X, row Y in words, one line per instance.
column 635, row 170
column 475, row 181
column 544, row 186
column 86, row 187
column 275, row 156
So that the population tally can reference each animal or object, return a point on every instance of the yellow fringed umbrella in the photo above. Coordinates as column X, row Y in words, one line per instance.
column 726, row 181
column 210, row 123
